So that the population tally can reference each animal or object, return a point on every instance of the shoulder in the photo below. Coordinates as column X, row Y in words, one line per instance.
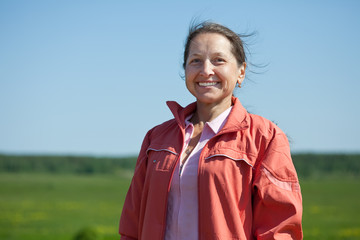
column 163, row 127
column 273, row 149
column 165, row 136
column 264, row 126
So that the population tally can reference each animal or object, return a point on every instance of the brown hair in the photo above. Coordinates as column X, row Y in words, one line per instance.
column 210, row 27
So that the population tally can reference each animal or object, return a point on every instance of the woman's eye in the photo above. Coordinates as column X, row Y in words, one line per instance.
column 195, row 60
column 219, row 60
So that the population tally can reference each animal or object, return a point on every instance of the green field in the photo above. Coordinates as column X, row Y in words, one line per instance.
column 56, row 206
column 44, row 206
column 331, row 208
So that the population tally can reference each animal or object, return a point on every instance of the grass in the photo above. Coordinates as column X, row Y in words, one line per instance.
column 331, row 208
column 44, row 206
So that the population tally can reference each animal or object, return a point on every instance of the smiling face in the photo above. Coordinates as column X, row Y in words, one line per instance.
column 211, row 69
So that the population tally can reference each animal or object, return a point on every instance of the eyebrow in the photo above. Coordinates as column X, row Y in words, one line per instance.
column 215, row 54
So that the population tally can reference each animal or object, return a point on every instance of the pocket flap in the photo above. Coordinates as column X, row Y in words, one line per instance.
column 231, row 154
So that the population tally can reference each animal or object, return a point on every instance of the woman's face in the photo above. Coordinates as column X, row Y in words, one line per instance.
column 211, row 69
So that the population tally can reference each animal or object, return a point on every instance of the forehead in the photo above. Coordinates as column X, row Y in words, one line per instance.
column 210, row 42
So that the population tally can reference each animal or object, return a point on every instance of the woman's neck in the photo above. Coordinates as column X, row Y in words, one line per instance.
column 208, row 112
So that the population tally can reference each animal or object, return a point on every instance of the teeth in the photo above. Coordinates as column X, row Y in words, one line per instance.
column 205, row 84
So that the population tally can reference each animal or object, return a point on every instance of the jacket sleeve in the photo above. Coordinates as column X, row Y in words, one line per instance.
column 129, row 221
column 277, row 201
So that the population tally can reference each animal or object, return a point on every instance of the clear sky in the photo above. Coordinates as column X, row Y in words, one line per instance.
column 91, row 77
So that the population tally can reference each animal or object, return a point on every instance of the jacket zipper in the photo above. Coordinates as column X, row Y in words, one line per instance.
column 199, row 168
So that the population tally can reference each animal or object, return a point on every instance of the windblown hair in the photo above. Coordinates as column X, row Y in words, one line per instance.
column 210, row 27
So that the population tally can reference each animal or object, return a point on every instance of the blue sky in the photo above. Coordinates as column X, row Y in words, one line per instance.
column 91, row 77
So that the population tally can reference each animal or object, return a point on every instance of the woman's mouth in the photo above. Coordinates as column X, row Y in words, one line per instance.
column 207, row 84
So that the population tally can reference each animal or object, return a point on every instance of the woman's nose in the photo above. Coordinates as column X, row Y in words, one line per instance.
column 207, row 69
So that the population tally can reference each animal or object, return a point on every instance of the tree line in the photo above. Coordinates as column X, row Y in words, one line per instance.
column 307, row 165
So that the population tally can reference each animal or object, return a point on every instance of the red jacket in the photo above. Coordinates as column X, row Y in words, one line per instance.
column 247, row 184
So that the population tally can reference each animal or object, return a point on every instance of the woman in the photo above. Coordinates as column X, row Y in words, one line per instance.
column 214, row 171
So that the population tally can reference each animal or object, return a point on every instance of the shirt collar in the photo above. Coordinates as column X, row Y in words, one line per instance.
column 187, row 120
column 216, row 124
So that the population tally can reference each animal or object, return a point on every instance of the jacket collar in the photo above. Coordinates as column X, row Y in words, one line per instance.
column 238, row 117
column 179, row 112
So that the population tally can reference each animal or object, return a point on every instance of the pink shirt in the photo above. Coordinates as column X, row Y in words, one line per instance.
column 182, row 209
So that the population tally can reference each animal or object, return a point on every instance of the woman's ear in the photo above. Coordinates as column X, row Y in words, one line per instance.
column 241, row 75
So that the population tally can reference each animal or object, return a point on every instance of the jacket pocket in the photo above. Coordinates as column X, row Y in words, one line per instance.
column 232, row 155
column 161, row 159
